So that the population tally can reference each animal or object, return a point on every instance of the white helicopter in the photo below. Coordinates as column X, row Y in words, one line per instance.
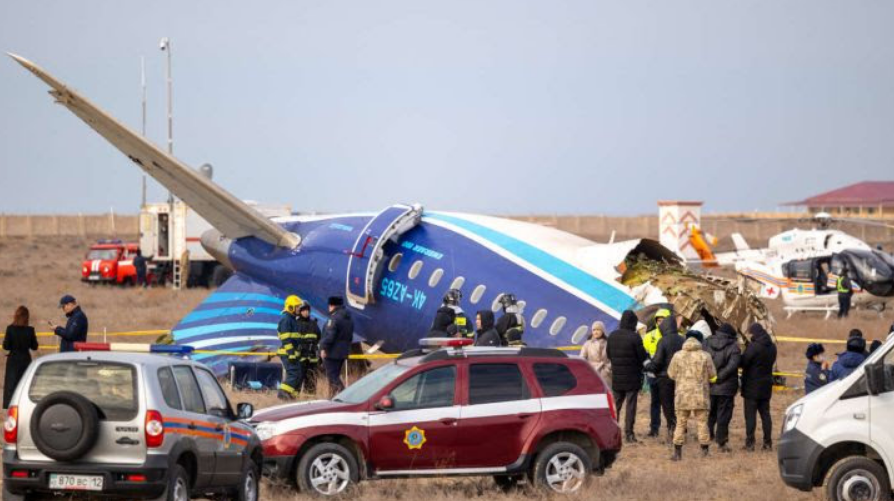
column 803, row 266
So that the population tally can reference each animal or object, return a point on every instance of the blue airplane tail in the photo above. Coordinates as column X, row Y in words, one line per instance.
column 240, row 316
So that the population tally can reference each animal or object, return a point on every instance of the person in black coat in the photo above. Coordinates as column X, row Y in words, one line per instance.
column 19, row 341
column 757, row 384
column 336, row 343
column 75, row 330
column 723, row 347
column 487, row 334
column 626, row 352
column 671, row 342
column 444, row 318
column 139, row 265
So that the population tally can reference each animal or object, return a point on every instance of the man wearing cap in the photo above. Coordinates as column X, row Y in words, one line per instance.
column 336, row 343
column 816, row 375
column 75, row 330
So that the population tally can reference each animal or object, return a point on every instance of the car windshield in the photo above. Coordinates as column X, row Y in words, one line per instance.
column 110, row 386
column 103, row 254
column 367, row 386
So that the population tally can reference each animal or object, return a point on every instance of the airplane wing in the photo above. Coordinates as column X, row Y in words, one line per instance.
column 225, row 212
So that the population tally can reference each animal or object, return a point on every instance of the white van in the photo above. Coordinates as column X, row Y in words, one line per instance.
column 841, row 436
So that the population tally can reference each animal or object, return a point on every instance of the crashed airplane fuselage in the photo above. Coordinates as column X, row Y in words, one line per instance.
column 394, row 266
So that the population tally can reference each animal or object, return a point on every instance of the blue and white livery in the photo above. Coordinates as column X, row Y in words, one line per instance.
column 393, row 266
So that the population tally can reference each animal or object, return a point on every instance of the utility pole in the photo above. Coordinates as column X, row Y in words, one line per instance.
column 174, row 225
column 165, row 46
column 143, row 83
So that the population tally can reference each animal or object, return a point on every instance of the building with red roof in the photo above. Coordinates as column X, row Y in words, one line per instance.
column 867, row 199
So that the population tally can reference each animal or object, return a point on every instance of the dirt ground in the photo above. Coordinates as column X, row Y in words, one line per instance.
column 37, row 272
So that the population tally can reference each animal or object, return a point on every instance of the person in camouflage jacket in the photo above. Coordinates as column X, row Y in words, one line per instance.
column 692, row 369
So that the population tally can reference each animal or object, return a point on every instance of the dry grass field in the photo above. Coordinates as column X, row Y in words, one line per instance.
column 37, row 272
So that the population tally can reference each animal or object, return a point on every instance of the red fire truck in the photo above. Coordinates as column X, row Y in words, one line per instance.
column 110, row 262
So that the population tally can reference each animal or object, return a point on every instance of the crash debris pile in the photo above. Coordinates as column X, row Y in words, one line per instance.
column 697, row 296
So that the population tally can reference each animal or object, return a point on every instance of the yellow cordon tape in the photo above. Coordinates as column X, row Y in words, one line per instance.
column 809, row 340
column 377, row 356
column 129, row 333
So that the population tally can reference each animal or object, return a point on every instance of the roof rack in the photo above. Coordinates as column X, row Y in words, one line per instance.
column 436, row 349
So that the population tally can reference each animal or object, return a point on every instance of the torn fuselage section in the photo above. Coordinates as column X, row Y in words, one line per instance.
column 657, row 278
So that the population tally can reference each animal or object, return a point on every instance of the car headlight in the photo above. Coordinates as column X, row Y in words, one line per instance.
column 791, row 419
column 265, row 430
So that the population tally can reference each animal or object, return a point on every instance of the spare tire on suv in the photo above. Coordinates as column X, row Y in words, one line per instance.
column 65, row 426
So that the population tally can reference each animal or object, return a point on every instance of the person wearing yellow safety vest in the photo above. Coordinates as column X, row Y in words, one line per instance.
column 287, row 330
column 845, row 291
column 650, row 343
column 308, row 345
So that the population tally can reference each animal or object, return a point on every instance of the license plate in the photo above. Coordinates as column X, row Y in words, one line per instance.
column 75, row 482
column 93, row 277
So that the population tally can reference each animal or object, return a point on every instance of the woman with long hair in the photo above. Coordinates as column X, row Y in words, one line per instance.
column 20, row 339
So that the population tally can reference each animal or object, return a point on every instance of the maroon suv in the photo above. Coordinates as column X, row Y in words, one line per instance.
column 513, row 413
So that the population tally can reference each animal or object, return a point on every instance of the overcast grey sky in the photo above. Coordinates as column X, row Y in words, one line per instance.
column 484, row 106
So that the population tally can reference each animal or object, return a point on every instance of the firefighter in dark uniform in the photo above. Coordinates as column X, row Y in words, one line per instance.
column 288, row 336
column 511, row 326
column 444, row 318
column 309, row 349
column 845, row 291
column 461, row 326
column 335, row 346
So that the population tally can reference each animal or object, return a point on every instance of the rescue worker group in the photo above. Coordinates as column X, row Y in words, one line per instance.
column 304, row 346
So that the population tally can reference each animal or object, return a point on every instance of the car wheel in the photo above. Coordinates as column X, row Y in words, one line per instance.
column 178, row 485
column 250, row 487
column 857, row 478
column 327, row 469
column 65, row 426
column 507, row 483
column 561, row 467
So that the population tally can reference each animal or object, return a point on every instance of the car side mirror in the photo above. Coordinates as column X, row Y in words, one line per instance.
column 244, row 410
column 875, row 378
column 386, row 403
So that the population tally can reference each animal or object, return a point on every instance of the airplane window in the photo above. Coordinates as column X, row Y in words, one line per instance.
column 521, row 306
column 457, row 283
column 580, row 335
column 495, row 306
column 415, row 269
column 395, row 262
column 477, row 293
column 538, row 319
column 435, row 277
column 557, row 326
